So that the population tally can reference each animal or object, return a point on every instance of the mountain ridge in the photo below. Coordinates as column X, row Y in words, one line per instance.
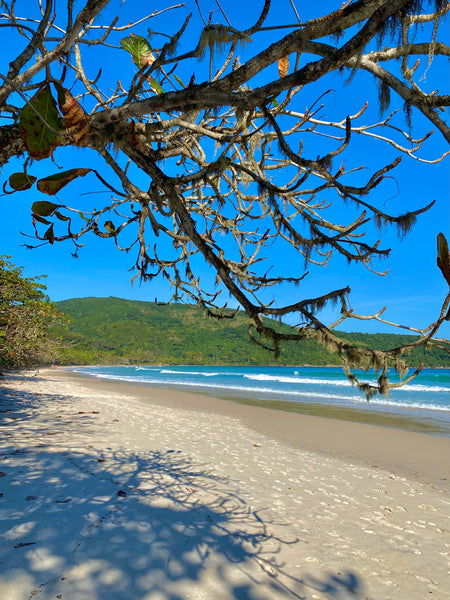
column 115, row 330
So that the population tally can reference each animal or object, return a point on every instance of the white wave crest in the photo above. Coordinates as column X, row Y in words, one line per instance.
column 203, row 374
column 342, row 382
column 298, row 380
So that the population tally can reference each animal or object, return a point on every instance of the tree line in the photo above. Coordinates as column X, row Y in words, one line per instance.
column 119, row 331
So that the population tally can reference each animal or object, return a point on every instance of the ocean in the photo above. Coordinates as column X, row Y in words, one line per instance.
column 422, row 405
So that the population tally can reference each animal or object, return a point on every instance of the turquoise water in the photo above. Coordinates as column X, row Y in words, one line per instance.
column 426, row 398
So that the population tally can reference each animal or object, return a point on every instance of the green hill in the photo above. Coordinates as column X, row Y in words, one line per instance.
column 114, row 330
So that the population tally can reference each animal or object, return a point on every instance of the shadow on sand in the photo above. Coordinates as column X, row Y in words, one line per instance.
column 91, row 524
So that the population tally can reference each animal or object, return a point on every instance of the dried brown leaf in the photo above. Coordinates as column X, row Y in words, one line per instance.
column 283, row 66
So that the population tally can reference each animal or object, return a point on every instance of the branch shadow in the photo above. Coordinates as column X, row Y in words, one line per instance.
column 123, row 525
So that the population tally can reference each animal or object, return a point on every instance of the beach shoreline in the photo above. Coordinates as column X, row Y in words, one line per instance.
column 408, row 454
column 422, row 408
column 112, row 491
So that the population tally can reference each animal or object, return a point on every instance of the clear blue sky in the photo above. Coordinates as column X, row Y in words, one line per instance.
column 414, row 286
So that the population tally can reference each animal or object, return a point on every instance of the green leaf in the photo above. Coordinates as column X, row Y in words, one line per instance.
column 155, row 86
column 62, row 217
column 109, row 226
column 36, row 119
column 54, row 183
column 179, row 81
column 21, row 181
column 40, row 219
column 140, row 50
column 443, row 257
column 43, row 208
column 49, row 235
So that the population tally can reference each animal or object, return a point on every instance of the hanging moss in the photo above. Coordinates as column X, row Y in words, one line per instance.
column 405, row 223
column 401, row 367
column 262, row 188
column 216, row 37
column 413, row 7
column 336, row 36
column 407, row 109
column 326, row 162
column 392, row 28
column 375, row 362
column 384, row 96
column 369, row 390
column 255, row 142
column 350, row 77
column 388, row 29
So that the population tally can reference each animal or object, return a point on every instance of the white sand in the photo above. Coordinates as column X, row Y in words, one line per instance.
column 106, row 497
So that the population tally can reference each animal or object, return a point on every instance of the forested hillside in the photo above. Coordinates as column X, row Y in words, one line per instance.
column 114, row 330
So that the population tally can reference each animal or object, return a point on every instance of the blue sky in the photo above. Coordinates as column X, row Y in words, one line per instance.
column 414, row 286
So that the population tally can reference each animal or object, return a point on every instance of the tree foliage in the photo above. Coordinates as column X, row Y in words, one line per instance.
column 25, row 316
column 224, row 171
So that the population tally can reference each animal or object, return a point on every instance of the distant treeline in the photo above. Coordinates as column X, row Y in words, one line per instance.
column 118, row 331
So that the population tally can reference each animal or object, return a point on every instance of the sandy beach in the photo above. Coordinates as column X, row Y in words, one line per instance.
column 112, row 491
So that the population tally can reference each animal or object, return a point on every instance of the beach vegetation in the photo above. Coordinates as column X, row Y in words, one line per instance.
column 229, row 160
column 26, row 314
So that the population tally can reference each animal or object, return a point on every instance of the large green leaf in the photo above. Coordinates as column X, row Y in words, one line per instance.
column 21, row 181
column 43, row 208
column 140, row 50
column 39, row 120
column 54, row 183
column 443, row 257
